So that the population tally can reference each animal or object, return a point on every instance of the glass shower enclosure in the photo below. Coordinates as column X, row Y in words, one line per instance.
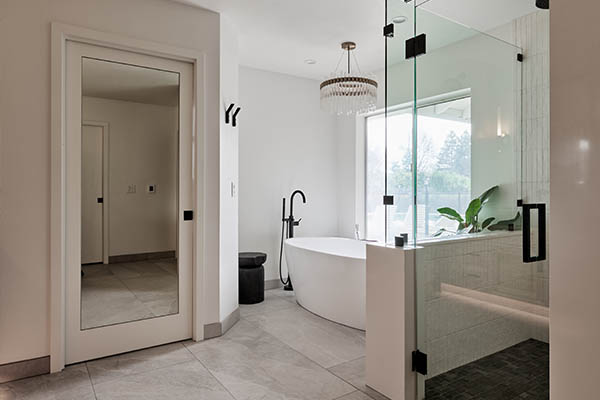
column 458, row 166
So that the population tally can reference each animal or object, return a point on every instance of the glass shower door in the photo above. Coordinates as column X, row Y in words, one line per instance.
column 482, row 305
column 390, row 195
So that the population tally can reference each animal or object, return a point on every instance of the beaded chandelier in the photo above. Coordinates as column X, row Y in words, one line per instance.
column 348, row 93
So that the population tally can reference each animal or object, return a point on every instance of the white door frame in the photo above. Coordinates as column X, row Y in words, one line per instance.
column 61, row 33
column 105, row 184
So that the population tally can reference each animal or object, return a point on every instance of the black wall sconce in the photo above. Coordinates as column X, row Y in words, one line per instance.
column 232, row 118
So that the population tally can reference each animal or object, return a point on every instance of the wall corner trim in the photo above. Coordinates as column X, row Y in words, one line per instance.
column 217, row 329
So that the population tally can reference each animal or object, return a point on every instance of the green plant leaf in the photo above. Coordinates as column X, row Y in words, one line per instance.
column 503, row 225
column 461, row 226
column 473, row 211
column 439, row 233
column 485, row 196
column 450, row 213
column 487, row 222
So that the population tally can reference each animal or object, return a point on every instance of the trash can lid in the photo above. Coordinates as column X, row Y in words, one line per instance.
column 251, row 259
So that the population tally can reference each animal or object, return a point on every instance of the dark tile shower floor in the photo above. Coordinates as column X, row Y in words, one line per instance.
column 518, row 372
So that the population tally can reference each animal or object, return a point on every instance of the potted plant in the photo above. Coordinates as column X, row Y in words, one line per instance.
column 469, row 223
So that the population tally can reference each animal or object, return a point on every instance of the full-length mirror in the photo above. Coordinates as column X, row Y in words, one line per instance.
column 129, row 193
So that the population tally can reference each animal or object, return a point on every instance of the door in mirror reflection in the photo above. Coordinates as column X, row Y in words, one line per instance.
column 129, row 192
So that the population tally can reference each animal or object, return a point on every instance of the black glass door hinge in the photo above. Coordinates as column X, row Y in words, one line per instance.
column 388, row 30
column 520, row 57
column 188, row 215
column 388, row 200
column 419, row 362
column 416, row 46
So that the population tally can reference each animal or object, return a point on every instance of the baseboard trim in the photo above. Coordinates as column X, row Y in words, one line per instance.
column 230, row 321
column 24, row 369
column 273, row 284
column 141, row 256
column 217, row 329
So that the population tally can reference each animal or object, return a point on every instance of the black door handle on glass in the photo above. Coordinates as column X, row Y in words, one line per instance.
column 527, row 257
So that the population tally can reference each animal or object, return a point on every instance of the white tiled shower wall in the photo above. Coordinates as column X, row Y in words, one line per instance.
column 479, row 296
column 532, row 34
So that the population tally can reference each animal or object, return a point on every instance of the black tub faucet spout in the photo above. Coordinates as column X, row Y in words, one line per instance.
column 291, row 221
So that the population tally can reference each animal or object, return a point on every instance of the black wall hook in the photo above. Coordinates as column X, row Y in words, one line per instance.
column 234, row 122
column 227, row 112
column 232, row 118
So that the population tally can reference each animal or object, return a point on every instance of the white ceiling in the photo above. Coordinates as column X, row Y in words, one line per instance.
column 278, row 35
column 111, row 80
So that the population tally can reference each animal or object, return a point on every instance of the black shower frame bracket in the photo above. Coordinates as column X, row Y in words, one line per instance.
column 229, row 117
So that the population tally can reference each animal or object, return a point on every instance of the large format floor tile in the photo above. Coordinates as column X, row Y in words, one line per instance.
column 108, row 301
column 253, row 364
column 357, row 395
column 277, row 351
column 187, row 381
column 71, row 384
column 247, row 363
column 323, row 341
column 354, row 372
column 106, row 369
column 123, row 292
column 137, row 269
column 150, row 288
column 274, row 301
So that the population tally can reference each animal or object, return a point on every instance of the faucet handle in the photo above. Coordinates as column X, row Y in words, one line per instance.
column 296, row 223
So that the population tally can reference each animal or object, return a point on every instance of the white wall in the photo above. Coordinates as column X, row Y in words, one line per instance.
column 228, row 160
column 25, row 145
column 286, row 143
column 574, row 191
column 142, row 151
column 348, row 163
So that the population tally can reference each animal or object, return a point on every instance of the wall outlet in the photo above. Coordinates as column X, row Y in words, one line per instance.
column 131, row 189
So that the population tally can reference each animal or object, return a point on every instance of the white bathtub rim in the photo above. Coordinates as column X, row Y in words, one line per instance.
column 292, row 242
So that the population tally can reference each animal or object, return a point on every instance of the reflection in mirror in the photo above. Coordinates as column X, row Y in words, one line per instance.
column 129, row 193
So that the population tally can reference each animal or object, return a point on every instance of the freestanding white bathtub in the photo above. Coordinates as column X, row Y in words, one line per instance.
column 329, row 277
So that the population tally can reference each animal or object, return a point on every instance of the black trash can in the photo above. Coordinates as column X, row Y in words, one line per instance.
column 251, row 277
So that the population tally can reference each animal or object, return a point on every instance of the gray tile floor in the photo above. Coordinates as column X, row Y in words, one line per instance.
column 277, row 351
column 122, row 292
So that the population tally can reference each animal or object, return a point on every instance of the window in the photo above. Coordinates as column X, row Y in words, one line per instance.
column 443, row 166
